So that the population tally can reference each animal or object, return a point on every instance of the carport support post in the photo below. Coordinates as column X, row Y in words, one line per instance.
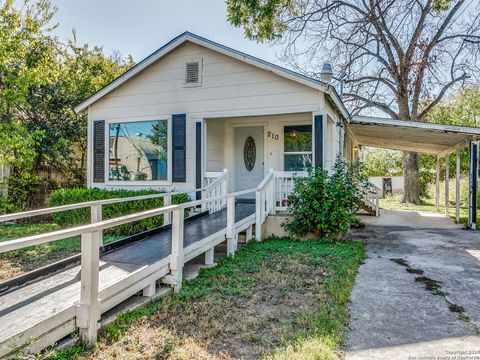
column 457, row 188
column 473, row 184
column 447, row 183
column 437, row 185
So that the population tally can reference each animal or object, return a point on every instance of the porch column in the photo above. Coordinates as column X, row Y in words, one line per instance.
column 437, row 185
column 447, row 180
column 198, row 159
column 457, row 188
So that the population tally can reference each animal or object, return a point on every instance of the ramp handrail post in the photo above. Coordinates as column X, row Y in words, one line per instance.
column 231, row 235
column 97, row 216
column 204, row 196
column 258, row 215
column 176, row 260
column 88, row 310
column 225, row 182
column 271, row 194
column 167, row 217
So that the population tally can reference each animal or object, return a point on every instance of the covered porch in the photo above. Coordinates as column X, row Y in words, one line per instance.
column 249, row 147
column 436, row 139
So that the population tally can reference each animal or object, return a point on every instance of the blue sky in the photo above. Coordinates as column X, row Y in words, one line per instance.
column 138, row 27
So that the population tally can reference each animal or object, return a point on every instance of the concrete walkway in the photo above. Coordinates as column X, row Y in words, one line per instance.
column 394, row 315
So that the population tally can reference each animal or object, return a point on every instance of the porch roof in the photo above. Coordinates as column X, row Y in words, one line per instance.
column 407, row 135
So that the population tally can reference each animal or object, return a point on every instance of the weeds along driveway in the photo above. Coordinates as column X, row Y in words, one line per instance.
column 280, row 299
column 418, row 292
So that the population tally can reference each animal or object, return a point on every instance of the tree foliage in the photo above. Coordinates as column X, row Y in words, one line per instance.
column 41, row 81
column 381, row 162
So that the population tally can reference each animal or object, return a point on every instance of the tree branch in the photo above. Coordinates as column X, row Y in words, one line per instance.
column 440, row 96
column 372, row 103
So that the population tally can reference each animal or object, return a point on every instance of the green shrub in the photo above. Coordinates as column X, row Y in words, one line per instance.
column 325, row 204
column 82, row 216
column 3, row 204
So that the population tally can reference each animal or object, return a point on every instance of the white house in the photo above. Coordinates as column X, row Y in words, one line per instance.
column 194, row 107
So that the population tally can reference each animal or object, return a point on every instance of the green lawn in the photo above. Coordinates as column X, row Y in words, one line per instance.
column 17, row 262
column 278, row 299
column 395, row 203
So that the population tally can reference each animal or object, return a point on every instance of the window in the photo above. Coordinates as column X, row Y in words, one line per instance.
column 193, row 73
column 138, row 151
column 297, row 147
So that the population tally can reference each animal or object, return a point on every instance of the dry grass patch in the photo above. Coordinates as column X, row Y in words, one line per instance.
column 279, row 299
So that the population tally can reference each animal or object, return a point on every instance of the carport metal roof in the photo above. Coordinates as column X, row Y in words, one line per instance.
column 407, row 135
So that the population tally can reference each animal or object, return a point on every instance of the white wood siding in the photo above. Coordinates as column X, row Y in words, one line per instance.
column 215, row 144
column 229, row 88
column 228, row 84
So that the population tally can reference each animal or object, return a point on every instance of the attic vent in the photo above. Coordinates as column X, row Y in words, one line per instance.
column 192, row 73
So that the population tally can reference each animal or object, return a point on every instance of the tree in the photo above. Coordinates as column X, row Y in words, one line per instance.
column 26, row 59
column 381, row 162
column 463, row 108
column 50, row 107
column 41, row 81
column 400, row 57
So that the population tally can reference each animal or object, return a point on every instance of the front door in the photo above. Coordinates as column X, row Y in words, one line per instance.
column 248, row 155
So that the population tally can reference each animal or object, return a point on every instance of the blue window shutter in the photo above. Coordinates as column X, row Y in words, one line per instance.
column 318, row 133
column 99, row 151
column 179, row 126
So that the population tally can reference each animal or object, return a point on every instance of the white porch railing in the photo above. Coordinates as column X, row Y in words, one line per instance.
column 215, row 184
column 264, row 202
column 284, row 184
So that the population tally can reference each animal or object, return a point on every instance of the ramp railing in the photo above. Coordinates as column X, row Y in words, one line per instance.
column 96, row 298
column 284, row 184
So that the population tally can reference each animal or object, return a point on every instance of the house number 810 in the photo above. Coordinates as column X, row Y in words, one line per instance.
column 272, row 135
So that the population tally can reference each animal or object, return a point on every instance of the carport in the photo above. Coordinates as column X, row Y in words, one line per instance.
column 437, row 139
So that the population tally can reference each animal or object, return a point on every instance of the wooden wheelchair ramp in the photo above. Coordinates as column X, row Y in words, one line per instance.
column 44, row 311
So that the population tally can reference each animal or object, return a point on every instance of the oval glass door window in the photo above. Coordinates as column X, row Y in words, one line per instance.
column 249, row 153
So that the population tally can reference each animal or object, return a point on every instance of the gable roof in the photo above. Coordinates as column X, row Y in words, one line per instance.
column 249, row 59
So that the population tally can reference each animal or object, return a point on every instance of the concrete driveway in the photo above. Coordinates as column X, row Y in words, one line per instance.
column 418, row 293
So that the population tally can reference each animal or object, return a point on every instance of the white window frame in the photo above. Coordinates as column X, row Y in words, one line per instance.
column 296, row 152
column 198, row 60
column 144, row 183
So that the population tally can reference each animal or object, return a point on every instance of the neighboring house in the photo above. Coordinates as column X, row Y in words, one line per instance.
column 388, row 185
column 195, row 107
